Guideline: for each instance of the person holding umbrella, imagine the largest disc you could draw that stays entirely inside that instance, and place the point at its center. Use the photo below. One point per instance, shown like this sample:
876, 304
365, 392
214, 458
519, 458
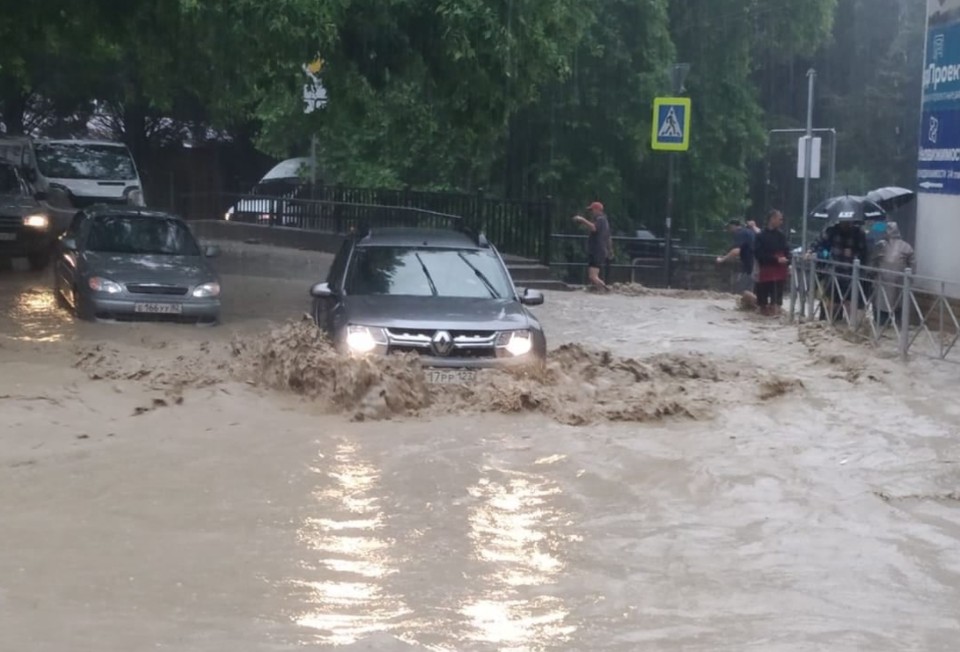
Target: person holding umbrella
844, 242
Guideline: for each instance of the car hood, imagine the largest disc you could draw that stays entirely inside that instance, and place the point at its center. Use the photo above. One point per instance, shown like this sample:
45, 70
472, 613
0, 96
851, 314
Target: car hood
18, 205
141, 268
437, 313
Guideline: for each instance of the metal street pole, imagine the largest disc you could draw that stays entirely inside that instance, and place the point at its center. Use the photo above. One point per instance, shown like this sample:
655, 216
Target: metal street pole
678, 74
808, 154
668, 246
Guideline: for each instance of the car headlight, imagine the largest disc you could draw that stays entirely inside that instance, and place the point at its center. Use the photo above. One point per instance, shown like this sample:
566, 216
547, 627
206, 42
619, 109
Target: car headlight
363, 340
207, 290
106, 286
135, 197
36, 221
516, 343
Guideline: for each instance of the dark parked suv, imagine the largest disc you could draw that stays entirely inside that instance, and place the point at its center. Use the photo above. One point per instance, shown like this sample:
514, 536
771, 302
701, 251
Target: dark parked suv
25, 229
443, 294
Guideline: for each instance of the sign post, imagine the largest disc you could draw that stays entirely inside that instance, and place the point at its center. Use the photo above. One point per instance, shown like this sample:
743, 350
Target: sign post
808, 156
671, 133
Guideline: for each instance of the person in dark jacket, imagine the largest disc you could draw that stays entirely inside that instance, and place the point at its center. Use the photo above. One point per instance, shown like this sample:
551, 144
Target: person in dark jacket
772, 252
841, 243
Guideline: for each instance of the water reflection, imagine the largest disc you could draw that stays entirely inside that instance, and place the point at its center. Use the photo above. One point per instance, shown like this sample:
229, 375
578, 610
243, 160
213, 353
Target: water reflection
517, 528
349, 559
36, 315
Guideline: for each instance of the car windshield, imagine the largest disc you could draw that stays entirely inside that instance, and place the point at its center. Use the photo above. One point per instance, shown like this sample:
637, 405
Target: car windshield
424, 272
9, 182
69, 161
121, 234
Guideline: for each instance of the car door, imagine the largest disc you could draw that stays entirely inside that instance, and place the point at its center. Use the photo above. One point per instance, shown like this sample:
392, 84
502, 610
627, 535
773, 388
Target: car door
68, 258
325, 310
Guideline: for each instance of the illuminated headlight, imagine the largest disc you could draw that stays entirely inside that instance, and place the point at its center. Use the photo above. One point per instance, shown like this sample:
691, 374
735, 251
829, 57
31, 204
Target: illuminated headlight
207, 291
135, 197
362, 340
228, 215
516, 343
98, 284
36, 221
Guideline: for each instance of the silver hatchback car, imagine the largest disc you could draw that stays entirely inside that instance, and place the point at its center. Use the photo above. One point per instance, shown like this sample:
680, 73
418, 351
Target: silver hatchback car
123, 263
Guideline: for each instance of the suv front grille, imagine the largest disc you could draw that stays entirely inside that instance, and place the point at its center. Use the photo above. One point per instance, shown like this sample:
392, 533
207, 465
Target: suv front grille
10, 222
169, 290
461, 344
456, 353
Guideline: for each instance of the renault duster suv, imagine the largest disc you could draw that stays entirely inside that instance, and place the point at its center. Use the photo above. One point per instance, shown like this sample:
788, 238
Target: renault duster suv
445, 295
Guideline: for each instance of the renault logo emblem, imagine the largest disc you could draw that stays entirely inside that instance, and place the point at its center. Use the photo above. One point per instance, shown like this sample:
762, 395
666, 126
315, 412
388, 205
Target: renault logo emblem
442, 343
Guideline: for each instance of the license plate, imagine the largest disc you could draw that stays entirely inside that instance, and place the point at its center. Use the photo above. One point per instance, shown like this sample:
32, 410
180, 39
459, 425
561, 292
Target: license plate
450, 376
158, 308
8, 237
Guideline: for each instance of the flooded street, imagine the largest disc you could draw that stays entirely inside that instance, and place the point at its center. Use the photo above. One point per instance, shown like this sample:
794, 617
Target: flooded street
790, 491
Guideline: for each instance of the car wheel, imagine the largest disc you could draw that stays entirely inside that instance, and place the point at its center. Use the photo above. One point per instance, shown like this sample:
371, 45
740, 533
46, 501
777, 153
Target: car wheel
39, 260
82, 309
61, 300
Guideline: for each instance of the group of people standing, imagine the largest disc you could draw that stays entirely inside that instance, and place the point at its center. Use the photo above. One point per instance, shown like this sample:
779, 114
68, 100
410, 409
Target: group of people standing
765, 258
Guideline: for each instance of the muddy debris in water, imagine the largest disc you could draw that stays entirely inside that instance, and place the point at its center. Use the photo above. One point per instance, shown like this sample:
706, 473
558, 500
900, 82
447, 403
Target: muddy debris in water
775, 387
945, 497
194, 366
576, 386
637, 290
297, 357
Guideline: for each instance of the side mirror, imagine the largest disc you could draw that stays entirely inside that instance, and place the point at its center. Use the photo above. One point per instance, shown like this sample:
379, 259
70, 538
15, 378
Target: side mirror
531, 297
68, 244
211, 251
321, 291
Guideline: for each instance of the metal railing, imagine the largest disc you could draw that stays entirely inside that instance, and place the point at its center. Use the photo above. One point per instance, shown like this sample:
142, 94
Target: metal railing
521, 228
915, 314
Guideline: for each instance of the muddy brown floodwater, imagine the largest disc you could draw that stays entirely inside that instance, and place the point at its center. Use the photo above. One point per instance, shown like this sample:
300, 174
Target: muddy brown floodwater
681, 477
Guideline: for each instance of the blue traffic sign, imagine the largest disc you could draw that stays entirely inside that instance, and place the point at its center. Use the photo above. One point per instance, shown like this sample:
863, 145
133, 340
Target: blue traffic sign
671, 124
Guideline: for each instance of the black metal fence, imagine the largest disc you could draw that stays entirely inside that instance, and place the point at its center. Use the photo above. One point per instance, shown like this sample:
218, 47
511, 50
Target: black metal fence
642, 260
517, 227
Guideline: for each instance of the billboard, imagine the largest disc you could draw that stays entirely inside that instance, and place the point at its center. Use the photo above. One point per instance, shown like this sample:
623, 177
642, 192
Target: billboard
938, 169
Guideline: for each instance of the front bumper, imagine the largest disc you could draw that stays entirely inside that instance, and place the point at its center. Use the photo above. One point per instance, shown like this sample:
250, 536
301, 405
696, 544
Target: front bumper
527, 361
125, 307
25, 241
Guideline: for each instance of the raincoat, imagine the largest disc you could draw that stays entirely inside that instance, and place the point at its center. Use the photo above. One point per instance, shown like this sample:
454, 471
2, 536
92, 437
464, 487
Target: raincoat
892, 257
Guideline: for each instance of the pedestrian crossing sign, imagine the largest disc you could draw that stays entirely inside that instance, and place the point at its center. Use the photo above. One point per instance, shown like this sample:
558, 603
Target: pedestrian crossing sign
671, 124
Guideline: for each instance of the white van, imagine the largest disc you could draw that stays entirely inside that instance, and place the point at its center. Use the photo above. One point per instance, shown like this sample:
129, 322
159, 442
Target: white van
265, 202
70, 175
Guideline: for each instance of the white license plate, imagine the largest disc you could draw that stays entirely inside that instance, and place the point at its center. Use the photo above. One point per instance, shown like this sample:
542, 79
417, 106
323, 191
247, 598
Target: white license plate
158, 308
450, 376
8, 237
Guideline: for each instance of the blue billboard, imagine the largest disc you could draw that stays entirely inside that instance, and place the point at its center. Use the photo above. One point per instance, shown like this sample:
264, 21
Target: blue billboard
938, 168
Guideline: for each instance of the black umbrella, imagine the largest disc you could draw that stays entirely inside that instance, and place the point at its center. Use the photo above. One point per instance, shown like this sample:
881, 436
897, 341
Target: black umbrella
849, 208
891, 198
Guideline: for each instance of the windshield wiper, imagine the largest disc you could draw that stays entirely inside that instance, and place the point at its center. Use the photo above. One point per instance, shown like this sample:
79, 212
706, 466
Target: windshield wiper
480, 275
426, 272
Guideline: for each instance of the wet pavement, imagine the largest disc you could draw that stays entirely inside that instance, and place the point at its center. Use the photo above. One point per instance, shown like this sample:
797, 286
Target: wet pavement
242, 519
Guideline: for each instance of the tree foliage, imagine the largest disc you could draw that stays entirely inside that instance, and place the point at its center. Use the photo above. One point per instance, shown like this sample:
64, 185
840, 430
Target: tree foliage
518, 97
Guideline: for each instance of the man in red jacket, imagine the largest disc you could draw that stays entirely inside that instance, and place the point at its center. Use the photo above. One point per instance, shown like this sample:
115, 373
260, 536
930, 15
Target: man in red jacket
773, 259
